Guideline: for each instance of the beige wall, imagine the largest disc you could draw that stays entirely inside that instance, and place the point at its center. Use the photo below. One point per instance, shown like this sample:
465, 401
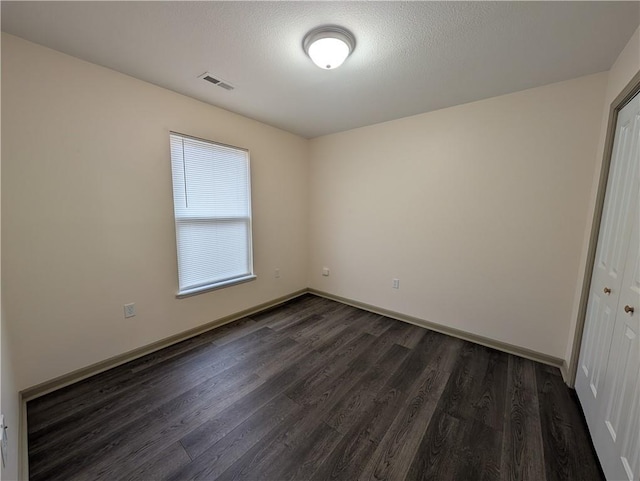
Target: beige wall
87, 211
9, 400
623, 70
477, 209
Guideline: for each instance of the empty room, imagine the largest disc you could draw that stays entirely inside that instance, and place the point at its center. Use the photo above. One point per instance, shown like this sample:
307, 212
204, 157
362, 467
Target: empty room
320, 241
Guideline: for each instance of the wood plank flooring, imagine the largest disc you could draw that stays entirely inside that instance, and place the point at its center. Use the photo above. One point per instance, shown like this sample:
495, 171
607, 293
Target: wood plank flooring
314, 390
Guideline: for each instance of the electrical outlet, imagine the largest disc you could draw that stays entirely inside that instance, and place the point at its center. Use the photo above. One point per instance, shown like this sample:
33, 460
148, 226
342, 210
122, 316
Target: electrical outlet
276, 273
395, 283
129, 310
325, 271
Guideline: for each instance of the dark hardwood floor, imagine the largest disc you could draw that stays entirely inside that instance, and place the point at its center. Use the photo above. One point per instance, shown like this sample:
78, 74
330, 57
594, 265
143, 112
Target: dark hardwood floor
314, 390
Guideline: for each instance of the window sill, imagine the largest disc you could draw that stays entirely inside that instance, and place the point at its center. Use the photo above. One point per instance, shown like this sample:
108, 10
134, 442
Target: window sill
216, 286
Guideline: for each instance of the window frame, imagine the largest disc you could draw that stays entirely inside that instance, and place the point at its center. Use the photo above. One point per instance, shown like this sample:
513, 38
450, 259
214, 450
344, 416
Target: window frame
190, 220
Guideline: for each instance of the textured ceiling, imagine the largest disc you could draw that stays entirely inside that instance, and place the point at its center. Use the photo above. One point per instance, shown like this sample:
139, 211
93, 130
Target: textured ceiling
410, 57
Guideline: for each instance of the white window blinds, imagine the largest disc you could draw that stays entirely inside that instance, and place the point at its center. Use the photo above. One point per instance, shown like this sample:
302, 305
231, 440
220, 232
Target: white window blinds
212, 206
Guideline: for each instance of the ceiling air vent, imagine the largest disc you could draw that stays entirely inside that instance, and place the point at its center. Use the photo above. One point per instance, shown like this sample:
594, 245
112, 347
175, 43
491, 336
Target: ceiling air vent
216, 81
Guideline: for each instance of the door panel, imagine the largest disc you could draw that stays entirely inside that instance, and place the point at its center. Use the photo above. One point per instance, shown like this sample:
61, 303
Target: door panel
630, 454
599, 322
611, 246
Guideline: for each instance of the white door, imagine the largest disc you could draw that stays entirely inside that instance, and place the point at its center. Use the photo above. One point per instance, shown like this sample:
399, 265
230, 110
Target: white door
606, 280
616, 438
607, 379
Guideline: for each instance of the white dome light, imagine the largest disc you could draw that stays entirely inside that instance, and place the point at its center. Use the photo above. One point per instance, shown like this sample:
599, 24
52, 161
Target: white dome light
328, 46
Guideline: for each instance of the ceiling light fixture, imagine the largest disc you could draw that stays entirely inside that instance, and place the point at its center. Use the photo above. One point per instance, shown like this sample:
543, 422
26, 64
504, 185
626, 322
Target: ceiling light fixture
329, 46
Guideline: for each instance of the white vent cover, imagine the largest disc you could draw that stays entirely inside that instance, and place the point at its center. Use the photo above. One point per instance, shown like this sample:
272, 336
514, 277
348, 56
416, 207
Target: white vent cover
216, 81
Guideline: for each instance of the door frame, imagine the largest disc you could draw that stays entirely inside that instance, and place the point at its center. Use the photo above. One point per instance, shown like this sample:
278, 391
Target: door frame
630, 90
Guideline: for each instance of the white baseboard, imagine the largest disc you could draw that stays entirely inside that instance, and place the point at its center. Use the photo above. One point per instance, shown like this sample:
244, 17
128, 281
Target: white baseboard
78, 375
564, 370
450, 331
83, 373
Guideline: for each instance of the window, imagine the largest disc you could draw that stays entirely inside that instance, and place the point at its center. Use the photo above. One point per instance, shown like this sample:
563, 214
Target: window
212, 207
